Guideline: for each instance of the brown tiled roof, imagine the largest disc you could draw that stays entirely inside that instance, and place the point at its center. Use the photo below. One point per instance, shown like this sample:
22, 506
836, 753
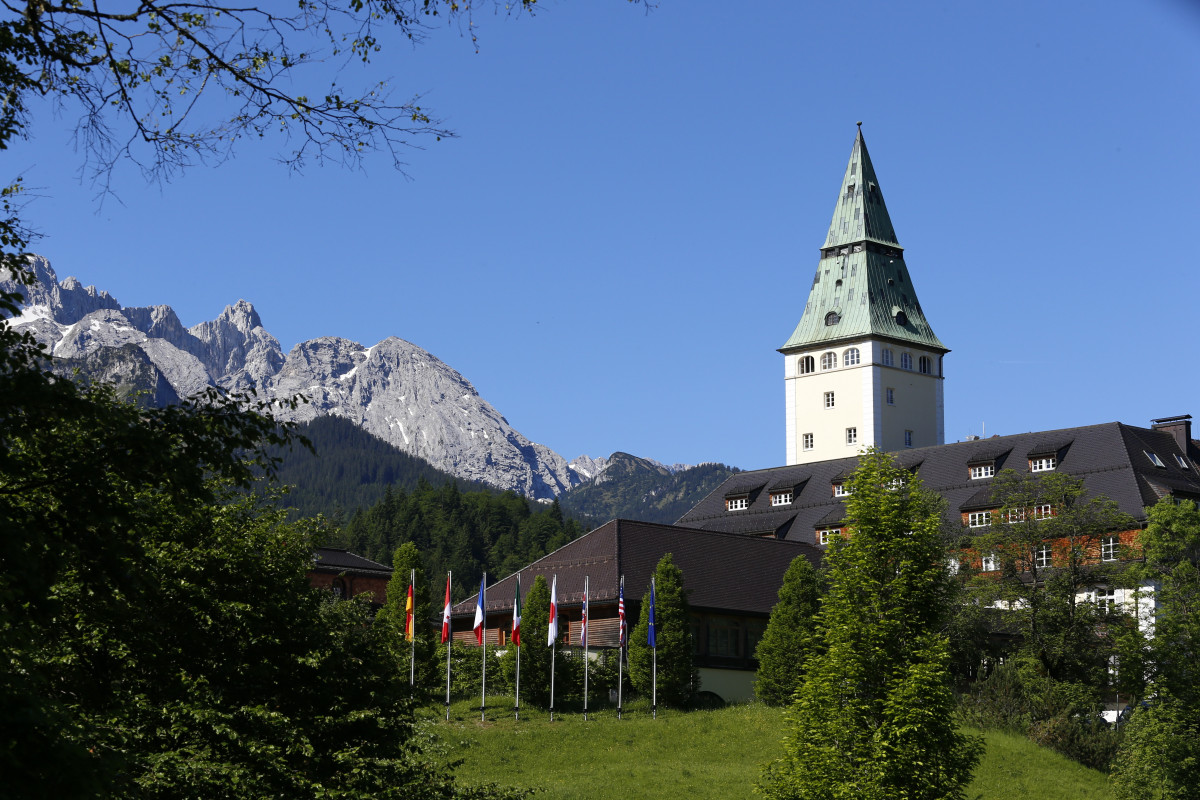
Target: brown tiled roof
721, 571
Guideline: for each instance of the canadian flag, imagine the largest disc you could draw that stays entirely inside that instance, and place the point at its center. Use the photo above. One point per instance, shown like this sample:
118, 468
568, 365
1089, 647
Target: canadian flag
553, 612
446, 613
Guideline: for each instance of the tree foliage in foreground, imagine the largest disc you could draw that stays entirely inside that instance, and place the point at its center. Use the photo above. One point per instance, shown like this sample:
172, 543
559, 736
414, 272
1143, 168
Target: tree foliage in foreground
677, 678
159, 635
873, 718
1159, 756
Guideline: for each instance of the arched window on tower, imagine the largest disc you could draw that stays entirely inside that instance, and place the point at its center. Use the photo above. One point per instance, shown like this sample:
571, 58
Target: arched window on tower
850, 357
832, 318
829, 361
926, 365
805, 365
905, 361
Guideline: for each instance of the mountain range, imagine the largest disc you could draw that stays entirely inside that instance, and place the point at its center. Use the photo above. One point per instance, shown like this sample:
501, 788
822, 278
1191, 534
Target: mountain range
393, 389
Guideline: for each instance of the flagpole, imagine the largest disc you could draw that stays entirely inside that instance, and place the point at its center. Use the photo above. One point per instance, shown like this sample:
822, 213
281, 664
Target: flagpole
449, 642
483, 647
585, 643
553, 639
654, 658
620, 645
412, 654
517, 644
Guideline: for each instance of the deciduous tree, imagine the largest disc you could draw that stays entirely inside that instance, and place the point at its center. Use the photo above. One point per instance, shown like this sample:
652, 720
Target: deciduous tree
873, 716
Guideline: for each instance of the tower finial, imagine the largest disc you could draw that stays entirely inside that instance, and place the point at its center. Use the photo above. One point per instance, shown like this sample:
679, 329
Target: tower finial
860, 124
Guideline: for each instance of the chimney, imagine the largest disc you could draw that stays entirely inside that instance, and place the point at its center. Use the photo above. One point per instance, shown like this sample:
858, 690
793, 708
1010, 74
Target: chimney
1180, 427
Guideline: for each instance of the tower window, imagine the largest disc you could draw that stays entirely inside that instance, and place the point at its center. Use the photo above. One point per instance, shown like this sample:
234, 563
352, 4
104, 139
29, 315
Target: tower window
829, 361
926, 365
905, 361
806, 441
829, 399
832, 318
887, 357
850, 357
901, 318
908, 438
891, 396
805, 365
851, 435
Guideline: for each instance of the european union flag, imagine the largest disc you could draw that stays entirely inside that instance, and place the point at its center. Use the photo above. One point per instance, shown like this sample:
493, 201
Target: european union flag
650, 640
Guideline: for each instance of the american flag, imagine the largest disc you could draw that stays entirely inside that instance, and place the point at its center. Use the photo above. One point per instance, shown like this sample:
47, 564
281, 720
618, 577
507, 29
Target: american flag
621, 610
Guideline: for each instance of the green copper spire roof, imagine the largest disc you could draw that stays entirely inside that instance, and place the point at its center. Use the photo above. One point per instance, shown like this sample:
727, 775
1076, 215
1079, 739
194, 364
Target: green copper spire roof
862, 286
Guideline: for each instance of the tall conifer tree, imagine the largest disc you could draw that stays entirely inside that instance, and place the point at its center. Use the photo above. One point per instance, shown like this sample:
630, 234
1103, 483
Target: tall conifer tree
784, 647
677, 676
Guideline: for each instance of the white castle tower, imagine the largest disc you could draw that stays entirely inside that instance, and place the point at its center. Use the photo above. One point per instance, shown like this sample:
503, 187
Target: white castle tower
863, 367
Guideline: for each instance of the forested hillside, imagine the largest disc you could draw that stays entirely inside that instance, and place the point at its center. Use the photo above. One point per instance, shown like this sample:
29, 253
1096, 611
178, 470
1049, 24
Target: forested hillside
635, 488
463, 532
350, 469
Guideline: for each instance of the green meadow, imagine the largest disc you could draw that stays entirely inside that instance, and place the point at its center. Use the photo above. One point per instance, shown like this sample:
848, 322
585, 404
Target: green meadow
692, 755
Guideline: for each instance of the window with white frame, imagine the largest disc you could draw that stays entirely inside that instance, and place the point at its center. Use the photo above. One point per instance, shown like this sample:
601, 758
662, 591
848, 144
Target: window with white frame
1183, 462
979, 519
1110, 548
806, 441
829, 402
1154, 459
781, 498
737, 503
805, 365
1041, 556
891, 396
989, 563
851, 435
905, 361
1014, 515
1106, 600
841, 490
908, 438
850, 357
829, 361
887, 357
983, 470
827, 535
926, 365
1044, 511
1043, 463
952, 566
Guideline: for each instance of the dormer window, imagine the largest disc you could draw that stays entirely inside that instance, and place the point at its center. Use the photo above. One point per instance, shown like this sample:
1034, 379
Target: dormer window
1043, 463
827, 535
832, 318
739, 503
841, 490
782, 497
983, 470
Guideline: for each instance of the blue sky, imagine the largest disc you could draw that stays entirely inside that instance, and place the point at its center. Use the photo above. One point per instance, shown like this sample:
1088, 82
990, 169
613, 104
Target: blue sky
626, 227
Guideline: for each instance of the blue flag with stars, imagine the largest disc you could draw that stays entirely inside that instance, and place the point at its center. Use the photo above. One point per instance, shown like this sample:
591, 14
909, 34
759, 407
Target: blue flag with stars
650, 639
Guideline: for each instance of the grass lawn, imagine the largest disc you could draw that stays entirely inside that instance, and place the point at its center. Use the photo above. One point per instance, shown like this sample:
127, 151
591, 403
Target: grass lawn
693, 755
